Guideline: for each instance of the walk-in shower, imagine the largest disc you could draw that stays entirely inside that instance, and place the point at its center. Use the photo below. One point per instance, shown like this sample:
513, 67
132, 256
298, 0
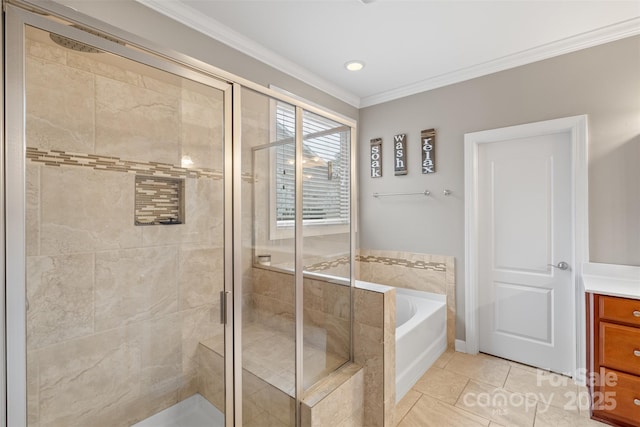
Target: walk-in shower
179, 245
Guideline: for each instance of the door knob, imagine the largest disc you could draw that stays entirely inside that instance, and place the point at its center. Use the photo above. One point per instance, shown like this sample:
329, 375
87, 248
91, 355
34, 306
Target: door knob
561, 265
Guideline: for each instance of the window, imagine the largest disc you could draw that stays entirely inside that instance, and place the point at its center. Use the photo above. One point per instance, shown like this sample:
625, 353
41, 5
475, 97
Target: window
326, 172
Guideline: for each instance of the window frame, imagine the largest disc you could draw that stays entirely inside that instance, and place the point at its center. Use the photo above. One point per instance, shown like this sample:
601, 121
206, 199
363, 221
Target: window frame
285, 229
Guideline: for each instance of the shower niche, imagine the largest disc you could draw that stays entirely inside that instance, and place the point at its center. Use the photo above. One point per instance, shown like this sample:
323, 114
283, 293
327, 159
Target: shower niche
159, 201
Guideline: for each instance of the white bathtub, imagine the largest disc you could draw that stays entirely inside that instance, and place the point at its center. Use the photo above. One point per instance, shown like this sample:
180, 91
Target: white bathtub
421, 335
421, 332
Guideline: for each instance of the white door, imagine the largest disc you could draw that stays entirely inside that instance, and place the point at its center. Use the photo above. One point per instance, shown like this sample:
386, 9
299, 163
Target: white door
525, 235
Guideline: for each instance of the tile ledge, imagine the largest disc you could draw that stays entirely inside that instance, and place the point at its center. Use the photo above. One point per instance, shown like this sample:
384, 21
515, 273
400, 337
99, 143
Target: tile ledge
325, 387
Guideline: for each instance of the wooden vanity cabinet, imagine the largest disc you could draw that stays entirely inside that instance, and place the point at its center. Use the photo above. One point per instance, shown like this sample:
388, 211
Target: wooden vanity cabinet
613, 359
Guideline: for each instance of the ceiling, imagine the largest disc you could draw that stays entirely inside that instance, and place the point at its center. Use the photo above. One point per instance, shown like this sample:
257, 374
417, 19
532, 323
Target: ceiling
408, 46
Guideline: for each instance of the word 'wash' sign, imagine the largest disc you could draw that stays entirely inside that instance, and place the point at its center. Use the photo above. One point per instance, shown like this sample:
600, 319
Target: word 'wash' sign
400, 157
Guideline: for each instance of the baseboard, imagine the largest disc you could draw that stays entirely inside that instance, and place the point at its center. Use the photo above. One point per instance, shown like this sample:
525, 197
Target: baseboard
461, 346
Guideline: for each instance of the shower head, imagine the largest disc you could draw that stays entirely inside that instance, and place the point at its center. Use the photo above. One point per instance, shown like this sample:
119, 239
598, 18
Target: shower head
78, 46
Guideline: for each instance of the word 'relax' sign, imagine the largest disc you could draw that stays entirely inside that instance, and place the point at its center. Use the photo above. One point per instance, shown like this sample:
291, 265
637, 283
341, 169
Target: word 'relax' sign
428, 138
376, 157
400, 150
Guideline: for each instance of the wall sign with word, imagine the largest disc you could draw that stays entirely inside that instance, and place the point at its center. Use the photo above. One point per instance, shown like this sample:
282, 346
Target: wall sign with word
428, 138
400, 157
376, 157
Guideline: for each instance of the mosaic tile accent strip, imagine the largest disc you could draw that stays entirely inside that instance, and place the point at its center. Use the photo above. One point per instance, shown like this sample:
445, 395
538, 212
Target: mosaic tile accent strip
115, 164
326, 265
433, 266
159, 201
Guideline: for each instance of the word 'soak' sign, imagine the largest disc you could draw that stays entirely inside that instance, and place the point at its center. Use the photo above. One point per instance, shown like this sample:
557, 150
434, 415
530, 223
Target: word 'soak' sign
428, 138
400, 157
376, 157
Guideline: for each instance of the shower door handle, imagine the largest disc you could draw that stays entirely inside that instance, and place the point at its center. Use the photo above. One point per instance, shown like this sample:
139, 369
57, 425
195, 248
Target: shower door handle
223, 306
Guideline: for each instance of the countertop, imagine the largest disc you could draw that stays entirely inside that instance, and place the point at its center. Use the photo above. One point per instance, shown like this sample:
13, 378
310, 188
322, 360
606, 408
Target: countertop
614, 280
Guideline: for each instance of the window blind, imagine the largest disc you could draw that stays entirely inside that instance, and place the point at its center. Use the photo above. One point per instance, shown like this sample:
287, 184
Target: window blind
326, 175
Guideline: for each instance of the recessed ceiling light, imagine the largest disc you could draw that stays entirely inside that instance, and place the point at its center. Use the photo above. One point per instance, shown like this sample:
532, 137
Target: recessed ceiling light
354, 65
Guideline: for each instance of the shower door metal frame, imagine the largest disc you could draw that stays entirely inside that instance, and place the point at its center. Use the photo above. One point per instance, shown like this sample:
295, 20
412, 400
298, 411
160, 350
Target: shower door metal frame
3, 347
14, 408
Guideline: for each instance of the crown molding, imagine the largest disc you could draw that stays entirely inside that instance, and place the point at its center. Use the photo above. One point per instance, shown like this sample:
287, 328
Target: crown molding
581, 41
184, 14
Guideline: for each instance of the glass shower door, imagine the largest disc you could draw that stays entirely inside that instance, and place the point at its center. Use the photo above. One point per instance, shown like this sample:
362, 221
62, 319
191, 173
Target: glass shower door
267, 261
117, 255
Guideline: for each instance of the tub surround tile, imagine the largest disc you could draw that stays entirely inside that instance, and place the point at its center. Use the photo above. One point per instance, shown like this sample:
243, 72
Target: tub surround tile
389, 357
369, 308
374, 350
341, 406
423, 272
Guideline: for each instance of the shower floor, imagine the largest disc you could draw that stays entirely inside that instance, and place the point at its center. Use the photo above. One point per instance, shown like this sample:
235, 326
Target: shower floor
195, 411
270, 355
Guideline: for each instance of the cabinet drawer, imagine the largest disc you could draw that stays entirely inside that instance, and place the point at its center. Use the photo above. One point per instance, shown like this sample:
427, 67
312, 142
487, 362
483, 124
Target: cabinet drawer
620, 310
620, 347
619, 397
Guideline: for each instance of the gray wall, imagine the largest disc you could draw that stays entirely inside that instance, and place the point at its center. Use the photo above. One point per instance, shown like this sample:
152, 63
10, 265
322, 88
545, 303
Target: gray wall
603, 82
144, 22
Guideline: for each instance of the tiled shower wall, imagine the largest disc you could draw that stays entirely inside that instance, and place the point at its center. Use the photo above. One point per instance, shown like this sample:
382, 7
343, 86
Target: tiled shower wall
116, 311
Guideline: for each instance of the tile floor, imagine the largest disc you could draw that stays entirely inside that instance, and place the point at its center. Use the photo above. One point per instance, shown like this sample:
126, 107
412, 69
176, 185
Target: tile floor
462, 390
